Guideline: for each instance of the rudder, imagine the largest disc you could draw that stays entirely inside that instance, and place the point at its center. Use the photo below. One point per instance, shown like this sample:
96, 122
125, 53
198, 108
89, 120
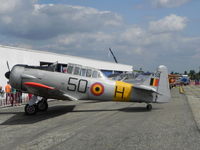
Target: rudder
163, 87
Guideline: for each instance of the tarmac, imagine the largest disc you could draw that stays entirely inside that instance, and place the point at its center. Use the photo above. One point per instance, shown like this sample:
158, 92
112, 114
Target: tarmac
193, 95
93, 125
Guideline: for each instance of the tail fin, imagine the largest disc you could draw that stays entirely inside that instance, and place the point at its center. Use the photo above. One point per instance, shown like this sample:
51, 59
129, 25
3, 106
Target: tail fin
159, 81
163, 86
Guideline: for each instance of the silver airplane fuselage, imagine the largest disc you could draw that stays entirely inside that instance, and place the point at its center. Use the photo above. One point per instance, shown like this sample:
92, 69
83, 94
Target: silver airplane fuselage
78, 83
77, 86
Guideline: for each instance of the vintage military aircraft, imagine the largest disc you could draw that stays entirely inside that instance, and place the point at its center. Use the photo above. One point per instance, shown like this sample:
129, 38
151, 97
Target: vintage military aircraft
76, 82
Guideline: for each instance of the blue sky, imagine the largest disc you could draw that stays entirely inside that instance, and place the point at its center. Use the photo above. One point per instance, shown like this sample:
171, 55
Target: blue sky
142, 33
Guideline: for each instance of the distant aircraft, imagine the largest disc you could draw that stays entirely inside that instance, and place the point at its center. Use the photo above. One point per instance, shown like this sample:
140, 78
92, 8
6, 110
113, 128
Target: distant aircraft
77, 82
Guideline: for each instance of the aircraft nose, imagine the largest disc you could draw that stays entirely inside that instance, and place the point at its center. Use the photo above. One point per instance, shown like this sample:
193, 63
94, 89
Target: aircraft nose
15, 76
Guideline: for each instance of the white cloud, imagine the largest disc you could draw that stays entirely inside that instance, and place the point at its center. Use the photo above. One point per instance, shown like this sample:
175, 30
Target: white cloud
49, 20
169, 3
87, 41
170, 23
6, 20
10, 6
89, 32
133, 33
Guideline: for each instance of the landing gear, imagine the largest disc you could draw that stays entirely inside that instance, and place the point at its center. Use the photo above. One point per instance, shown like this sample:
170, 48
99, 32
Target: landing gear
36, 104
42, 105
30, 109
149, 107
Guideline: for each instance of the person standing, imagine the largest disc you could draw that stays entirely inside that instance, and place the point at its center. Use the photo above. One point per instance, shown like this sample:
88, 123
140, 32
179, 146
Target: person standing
13, 96
8, 92
1, 91
1, 95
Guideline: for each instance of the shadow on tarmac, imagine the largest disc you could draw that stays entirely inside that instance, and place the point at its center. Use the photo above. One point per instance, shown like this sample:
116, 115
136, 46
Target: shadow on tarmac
21, 118
125, 109
54, 111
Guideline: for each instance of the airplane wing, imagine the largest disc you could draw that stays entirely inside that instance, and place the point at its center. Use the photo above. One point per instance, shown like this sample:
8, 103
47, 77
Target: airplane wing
44, 90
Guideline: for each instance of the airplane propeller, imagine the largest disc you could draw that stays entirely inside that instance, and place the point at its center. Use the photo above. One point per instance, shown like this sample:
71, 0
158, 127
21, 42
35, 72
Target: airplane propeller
7, 74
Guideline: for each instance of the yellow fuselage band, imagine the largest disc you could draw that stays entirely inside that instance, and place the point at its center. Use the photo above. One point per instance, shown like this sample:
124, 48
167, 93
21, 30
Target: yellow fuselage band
122, 91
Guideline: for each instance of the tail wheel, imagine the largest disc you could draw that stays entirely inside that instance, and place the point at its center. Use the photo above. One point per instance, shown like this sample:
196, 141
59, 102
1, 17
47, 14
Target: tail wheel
30, 109
42, 105
149, 107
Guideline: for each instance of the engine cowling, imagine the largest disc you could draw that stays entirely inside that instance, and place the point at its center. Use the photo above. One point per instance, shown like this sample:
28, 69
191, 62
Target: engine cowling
16, 76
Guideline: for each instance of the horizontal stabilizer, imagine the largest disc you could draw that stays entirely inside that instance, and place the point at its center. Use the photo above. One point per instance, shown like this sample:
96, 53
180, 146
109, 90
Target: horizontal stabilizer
147, 88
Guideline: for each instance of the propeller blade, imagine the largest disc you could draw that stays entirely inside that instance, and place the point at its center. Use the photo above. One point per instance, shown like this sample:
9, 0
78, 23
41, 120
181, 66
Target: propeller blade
7, 74
8, 66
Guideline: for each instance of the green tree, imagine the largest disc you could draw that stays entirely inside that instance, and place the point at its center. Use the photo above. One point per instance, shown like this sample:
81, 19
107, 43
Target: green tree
192, 74
185, 73
197, 75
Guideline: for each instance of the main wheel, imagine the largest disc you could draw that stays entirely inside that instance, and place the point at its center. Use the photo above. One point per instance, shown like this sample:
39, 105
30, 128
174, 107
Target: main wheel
30, 109
42, 105
149, 107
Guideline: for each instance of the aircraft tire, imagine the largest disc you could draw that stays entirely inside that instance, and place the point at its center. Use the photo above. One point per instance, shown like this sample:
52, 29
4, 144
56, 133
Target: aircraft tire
30, 109
149, 107
42, 105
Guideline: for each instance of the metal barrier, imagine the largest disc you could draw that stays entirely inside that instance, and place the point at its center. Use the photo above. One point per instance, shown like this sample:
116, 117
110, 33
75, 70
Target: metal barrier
193, 82
13, 99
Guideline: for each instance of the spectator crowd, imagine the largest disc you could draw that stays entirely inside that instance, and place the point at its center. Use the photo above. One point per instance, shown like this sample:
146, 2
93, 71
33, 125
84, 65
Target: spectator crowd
10, 96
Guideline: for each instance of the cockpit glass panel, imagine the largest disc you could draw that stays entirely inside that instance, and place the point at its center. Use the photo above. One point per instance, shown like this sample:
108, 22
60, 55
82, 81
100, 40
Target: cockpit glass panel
69, 69
99, 75
95, 74
76, 71
83, 72
89, 73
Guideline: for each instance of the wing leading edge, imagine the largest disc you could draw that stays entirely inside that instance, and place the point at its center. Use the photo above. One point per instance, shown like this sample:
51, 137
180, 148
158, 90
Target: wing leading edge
38, 85
34, 87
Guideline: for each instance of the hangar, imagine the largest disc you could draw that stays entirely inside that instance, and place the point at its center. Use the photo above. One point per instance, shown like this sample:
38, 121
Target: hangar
15, 55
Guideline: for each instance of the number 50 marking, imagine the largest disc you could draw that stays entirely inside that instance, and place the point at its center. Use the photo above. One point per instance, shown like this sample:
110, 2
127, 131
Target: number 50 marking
80, 86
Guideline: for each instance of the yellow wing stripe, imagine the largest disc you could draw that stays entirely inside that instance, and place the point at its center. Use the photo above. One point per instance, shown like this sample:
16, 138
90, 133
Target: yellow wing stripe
122, 91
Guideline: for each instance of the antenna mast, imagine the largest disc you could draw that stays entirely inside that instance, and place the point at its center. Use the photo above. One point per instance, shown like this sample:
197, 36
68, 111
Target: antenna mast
113, 55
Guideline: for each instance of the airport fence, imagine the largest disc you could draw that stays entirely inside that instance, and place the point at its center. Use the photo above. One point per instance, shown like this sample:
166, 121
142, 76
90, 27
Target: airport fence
13, 99
193, 82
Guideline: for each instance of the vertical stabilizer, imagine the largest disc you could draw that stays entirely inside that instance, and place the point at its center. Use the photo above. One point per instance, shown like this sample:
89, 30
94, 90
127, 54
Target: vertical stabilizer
163, 87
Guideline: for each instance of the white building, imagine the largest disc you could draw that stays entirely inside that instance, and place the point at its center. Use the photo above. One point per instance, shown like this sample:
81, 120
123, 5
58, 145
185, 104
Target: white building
16, 55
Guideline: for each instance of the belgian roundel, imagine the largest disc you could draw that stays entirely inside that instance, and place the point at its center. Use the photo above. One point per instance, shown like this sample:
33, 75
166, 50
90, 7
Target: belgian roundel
97, 89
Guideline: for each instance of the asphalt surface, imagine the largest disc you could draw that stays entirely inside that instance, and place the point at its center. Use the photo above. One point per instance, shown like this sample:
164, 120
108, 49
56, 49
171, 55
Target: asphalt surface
88, 125
193, 95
